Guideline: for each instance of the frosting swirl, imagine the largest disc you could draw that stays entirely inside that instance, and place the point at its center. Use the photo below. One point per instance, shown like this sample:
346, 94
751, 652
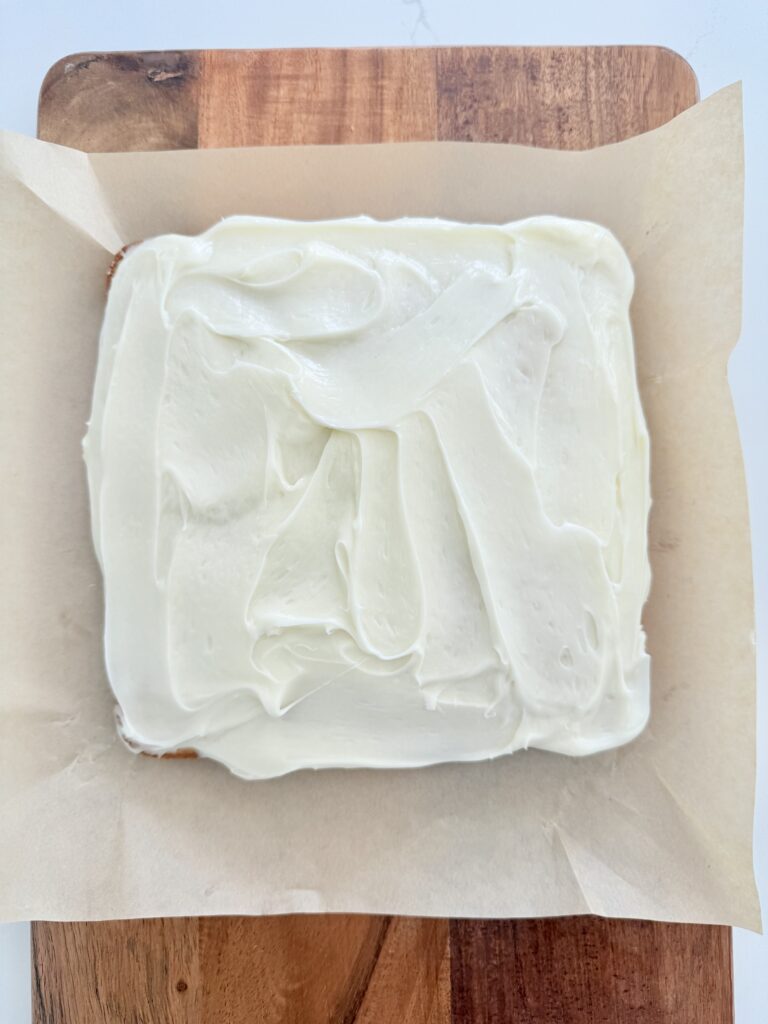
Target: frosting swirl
372, 493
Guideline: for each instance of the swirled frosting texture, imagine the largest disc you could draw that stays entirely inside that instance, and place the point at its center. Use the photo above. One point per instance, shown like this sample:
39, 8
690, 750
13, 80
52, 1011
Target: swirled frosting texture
372, 494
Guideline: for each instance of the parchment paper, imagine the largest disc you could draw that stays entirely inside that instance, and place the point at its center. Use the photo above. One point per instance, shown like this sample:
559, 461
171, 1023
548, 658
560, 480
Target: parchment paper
660, 829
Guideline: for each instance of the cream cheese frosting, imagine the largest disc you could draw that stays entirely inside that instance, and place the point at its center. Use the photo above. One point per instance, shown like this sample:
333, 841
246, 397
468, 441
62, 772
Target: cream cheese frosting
372, 494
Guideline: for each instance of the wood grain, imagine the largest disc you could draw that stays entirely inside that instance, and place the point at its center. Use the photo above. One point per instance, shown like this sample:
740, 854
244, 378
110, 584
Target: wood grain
127, 971
277, 97
348, 969
232, 970
574, 970
121, 101
565, 97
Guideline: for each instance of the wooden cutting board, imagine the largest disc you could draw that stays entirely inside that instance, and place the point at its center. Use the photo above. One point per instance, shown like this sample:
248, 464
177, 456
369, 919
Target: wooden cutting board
347, 969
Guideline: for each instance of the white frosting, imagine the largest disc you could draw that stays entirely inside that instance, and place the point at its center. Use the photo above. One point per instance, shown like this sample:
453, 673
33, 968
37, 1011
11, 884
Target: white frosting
372, 494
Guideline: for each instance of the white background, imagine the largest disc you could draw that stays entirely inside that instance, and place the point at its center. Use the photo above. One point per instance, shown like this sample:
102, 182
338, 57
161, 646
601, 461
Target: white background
724, 41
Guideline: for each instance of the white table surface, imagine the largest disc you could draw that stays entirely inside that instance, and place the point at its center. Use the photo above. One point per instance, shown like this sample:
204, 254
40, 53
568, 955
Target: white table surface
724, 41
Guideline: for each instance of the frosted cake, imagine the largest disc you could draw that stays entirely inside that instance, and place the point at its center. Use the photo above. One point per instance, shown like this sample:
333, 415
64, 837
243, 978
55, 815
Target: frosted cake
372, 494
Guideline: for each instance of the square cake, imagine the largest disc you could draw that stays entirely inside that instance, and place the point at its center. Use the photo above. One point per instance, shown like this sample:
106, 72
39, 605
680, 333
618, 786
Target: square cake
372, 494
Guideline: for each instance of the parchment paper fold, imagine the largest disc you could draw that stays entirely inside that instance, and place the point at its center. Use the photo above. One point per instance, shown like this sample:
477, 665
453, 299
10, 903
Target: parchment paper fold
659, 829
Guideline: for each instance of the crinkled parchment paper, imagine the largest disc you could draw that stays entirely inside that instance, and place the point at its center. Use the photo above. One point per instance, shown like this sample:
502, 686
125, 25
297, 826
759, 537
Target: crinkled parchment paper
659, 829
